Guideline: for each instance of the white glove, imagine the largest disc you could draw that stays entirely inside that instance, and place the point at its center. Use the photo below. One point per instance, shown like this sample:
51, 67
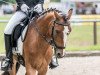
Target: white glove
38, 8
24, 8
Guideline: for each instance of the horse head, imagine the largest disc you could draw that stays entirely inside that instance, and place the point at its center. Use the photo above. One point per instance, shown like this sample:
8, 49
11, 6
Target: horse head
53, 23
62, 29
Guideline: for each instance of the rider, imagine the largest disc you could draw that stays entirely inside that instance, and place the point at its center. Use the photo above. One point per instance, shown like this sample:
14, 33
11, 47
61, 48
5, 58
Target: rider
22, 6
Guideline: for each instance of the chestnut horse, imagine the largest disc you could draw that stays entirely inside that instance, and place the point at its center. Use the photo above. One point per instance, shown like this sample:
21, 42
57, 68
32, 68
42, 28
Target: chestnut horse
43, 33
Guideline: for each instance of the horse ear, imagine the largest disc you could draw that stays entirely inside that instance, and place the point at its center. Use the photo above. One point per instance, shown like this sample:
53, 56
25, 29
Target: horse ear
57, 16
69, 13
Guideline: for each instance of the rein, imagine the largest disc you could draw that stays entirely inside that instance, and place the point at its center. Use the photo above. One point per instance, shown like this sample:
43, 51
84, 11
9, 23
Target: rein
52, 41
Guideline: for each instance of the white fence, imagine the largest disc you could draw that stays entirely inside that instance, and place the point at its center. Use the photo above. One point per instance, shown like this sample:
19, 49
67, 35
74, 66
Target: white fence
72, 21
3, 21
79, 21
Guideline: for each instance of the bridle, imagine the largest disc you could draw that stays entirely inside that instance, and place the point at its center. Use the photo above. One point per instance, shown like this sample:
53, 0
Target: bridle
52, 34
52, 40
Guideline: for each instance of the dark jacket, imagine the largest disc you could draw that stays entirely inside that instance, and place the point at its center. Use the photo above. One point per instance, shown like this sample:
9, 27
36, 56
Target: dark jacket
30, 3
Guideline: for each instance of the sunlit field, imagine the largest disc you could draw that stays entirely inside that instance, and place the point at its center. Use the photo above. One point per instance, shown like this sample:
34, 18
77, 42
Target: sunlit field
2, 26
81, 37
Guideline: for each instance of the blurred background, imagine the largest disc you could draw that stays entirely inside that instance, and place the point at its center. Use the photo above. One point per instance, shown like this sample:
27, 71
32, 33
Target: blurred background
85, 22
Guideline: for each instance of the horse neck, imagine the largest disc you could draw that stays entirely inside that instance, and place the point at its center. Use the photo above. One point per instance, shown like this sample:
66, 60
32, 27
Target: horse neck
44, 22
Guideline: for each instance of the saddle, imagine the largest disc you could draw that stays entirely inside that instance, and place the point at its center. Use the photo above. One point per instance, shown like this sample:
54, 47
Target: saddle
17, 32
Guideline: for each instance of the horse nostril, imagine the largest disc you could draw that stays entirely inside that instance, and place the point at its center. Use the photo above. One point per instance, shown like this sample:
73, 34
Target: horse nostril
58, 55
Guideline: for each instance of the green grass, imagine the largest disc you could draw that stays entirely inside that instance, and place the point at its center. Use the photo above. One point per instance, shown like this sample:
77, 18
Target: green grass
81, 37
5, 17
2, 26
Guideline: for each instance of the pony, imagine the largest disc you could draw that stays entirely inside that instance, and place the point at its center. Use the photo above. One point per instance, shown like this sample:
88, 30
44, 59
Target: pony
43, 33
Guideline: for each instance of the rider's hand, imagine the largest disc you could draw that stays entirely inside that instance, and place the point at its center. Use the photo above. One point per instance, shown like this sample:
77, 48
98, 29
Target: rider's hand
38, 8
24, 8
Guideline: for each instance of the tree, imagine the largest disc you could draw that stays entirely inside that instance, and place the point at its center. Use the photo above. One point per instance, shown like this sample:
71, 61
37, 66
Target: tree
6, 1
11, 1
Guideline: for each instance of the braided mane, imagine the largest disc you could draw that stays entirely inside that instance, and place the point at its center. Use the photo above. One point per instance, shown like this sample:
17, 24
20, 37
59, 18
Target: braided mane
49, 10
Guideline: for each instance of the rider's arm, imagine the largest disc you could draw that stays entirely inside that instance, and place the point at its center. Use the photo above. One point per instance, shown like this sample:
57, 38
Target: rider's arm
20, 2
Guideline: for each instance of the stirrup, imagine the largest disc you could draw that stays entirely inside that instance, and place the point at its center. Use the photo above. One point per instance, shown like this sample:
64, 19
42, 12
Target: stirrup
53, 65
6, 64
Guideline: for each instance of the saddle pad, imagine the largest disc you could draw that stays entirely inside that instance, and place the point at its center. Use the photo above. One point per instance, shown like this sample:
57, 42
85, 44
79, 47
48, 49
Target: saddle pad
19, 48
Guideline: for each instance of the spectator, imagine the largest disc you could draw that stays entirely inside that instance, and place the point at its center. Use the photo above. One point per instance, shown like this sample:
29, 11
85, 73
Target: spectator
93, 11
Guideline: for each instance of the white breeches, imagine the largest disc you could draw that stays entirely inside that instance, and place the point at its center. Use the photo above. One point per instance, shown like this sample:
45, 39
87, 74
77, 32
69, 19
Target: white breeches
14, 21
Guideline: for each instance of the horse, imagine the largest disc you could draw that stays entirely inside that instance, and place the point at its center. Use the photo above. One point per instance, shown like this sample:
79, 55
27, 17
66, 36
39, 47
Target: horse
43, 33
